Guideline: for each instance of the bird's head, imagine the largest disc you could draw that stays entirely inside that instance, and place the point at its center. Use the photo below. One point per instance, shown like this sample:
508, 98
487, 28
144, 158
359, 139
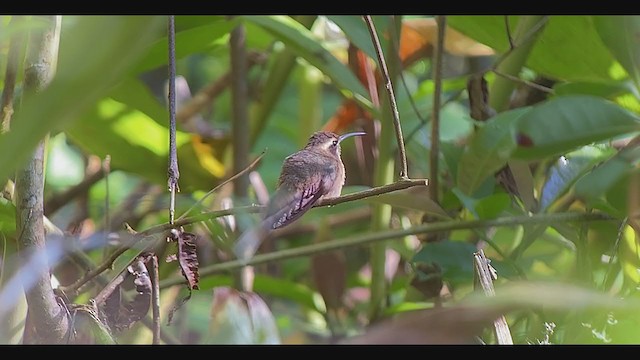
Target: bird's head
328, 141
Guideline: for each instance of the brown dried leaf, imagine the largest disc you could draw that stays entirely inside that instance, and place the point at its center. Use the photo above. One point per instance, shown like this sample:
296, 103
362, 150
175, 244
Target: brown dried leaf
188, 258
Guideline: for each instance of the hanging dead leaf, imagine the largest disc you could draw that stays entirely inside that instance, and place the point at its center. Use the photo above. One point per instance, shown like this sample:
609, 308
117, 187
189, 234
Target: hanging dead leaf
187, 256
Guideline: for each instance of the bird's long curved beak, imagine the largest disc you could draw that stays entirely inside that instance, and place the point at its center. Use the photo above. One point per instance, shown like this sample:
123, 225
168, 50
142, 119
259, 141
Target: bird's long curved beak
347, 135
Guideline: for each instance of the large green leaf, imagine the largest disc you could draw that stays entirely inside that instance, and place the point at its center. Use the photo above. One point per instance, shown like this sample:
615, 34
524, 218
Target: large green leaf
620, 35
302, 41
95, 53
569, 47
488, 150
140, 145
564, 123
356, 30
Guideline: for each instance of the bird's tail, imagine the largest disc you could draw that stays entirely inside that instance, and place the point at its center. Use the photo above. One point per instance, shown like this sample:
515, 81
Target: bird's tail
248, 243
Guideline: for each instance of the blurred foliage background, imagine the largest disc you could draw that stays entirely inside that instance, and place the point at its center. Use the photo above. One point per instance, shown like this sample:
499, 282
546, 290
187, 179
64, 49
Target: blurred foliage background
560, 136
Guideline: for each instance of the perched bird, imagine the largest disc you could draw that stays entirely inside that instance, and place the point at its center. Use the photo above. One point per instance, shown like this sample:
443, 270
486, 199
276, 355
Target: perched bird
307, 176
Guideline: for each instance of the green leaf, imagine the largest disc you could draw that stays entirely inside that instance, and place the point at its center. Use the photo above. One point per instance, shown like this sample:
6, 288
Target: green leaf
566, 171
455, 259
488, 150
137, 95
621, 35
188, 41
356, 30
564, 123
608, 90
569, 47
95, 53
492, 206
302, 41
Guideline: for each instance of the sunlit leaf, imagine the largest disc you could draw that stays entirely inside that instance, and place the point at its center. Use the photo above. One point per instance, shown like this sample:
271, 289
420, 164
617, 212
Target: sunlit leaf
620, 35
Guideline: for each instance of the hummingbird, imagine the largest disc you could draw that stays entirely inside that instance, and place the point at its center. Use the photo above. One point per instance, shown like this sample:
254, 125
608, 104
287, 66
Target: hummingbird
307, 176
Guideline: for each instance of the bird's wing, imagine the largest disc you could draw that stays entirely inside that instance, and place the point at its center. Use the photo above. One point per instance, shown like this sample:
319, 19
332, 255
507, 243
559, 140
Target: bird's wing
288, 204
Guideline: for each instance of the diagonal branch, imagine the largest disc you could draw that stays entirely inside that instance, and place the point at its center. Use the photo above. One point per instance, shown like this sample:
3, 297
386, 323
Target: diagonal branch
370, 238
392, 97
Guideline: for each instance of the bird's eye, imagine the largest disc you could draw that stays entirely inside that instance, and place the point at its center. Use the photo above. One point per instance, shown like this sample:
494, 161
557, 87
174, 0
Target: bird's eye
335, 143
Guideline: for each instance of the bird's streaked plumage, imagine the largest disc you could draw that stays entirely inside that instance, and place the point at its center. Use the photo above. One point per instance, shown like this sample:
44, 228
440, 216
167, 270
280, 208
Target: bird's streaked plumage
307, 176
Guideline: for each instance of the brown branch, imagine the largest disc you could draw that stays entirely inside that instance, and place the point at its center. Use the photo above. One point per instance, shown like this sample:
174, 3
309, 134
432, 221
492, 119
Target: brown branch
525, 82
172, 169
392, 98
155, 299
398, 185
434, 152
49, 319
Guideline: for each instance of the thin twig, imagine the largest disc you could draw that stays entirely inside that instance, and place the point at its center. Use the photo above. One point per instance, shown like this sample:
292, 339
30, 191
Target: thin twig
106, 168
239, 99
14, 57
434, 153
526, 38
366, 239
525, 82
508, 28
422, 123
242, 172
155, 299
392, 98
173, 172
398, 185
484, 277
